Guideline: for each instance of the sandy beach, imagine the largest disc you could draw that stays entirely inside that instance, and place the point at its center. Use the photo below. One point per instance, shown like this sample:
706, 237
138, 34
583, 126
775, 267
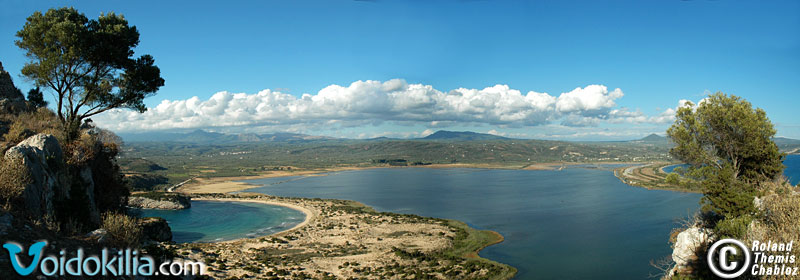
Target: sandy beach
231, 184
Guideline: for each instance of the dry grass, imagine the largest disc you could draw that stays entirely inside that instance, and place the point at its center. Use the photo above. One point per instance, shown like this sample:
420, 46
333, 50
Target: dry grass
123, 230
13, 180
27, 124
82, 150
779, 219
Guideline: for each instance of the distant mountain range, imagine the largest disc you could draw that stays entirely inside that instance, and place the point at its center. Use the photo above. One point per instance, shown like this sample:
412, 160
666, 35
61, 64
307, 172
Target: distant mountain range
202, 136
205, 137
462, 136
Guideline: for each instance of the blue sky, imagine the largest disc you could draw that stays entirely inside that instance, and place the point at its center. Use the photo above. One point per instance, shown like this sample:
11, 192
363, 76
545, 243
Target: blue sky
655, 52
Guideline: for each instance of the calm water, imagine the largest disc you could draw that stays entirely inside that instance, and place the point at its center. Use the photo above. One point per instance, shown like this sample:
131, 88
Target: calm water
209, 221
670, 168
792, 170
570, 224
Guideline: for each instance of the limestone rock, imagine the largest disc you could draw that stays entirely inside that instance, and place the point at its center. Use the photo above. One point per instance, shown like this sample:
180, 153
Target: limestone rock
101, 235
688, 245
758, 203
42, 156
156, 229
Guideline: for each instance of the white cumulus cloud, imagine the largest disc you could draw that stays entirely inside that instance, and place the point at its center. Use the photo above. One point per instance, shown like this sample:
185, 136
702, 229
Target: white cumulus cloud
369, 102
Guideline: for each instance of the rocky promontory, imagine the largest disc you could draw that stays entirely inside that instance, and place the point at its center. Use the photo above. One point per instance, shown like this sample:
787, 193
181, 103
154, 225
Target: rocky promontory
159, 200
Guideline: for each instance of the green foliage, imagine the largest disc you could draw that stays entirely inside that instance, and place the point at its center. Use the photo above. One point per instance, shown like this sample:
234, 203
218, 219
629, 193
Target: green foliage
140, 165
87, 63
187, 160
729, 146
733, 227
36, 98
726, 195
673, 178
146, 182
727, 130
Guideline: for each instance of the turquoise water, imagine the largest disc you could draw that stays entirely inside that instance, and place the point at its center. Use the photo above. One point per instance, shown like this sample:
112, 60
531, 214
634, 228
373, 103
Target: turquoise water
208, 221
792, 170
571, 224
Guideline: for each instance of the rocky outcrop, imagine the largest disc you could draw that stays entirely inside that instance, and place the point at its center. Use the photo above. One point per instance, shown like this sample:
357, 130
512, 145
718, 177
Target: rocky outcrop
11, 99
42, 156
688, 248
85, 180
156, 229
163, 201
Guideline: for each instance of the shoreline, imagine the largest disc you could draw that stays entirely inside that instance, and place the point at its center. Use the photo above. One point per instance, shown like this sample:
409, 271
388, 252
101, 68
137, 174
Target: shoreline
233, 184
638, 176
227, 185
345, 239
309, 215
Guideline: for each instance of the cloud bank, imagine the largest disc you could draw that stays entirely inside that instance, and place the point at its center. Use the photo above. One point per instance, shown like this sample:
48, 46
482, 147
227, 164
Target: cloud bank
365, 103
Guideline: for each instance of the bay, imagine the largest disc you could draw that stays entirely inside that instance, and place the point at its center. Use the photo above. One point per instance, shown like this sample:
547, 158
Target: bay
572, 224
208, 221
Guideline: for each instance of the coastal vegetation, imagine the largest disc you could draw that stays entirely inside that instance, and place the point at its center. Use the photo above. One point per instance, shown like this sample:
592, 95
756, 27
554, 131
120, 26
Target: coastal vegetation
67, 181
182, 161
653, 176
735, 162
200, 154
59, 179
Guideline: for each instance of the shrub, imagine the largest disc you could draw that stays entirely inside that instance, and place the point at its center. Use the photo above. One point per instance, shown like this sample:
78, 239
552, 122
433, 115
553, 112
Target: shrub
81, 151
779, 218
27, 124
733, 227
673, 179
124, 231
98, 151
13, 179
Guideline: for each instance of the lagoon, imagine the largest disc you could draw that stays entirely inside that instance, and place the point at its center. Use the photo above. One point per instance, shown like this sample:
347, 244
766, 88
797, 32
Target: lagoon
577, 223
792, 171
208, 221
